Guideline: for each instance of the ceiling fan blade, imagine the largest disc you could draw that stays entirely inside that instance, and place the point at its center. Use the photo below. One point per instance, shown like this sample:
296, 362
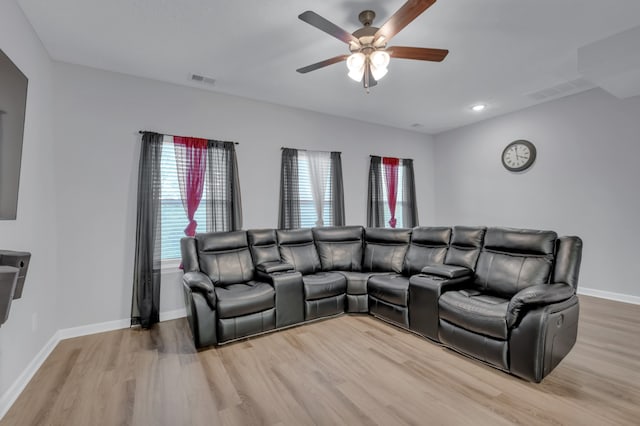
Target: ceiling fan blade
322, 64
328, 27
403, 16
419, 53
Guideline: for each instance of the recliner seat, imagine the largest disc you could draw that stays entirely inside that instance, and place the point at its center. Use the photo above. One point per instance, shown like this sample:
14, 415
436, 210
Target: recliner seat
514, 268
220, 277
427, 246
324, 292
341, 250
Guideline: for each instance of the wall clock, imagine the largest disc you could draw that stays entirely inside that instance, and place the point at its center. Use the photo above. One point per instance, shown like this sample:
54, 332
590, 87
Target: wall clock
518, 156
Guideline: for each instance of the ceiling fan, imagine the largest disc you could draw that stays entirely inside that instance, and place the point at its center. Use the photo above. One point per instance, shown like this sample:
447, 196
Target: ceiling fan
370, 55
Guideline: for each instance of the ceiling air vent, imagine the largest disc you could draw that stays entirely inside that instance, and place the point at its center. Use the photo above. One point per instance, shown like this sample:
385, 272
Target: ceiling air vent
202, 79
560, 90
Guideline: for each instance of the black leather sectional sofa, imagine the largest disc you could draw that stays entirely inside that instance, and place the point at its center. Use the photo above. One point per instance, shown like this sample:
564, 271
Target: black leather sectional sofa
503, 296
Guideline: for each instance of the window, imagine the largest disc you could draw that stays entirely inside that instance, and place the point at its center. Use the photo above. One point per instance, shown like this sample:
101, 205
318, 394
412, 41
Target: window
389, 177
219, 208
311, 191
400, 202
308, 213
173, 216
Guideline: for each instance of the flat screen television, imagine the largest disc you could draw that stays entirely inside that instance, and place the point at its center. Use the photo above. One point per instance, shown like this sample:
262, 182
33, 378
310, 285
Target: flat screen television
13, 102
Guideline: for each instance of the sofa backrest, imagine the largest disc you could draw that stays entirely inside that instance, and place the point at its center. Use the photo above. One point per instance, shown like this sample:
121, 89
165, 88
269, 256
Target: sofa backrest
263, 244
465, 245
225, 257
428, 247
513, 259
298, 249
339, 248
384, 249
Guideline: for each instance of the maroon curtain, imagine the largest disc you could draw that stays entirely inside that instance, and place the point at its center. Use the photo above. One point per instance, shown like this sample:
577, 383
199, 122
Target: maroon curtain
191, 162
390, 166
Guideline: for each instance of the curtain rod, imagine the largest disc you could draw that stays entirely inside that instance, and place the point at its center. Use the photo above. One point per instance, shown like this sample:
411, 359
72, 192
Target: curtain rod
167, 134
382, 156
284, 147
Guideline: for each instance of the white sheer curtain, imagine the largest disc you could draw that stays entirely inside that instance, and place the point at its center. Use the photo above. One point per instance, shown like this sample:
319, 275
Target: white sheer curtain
319, 170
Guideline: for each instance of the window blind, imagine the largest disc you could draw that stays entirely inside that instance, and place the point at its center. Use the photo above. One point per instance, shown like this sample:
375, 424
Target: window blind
308, 215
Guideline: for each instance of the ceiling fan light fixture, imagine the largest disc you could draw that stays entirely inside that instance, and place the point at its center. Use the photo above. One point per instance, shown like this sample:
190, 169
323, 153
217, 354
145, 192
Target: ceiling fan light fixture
379, 58
355, 64
356, 75
378, 72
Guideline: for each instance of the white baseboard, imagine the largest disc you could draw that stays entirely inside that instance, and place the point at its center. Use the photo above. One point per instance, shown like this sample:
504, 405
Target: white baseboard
618, 297
85, 330
171, 315
14, 391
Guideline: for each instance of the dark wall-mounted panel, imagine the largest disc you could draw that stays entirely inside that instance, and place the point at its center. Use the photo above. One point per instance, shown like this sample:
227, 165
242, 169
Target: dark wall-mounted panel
13, 102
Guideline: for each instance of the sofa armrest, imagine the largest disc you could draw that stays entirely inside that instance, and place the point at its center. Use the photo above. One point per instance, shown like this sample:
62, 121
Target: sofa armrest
424, 292
199, 282
289, 295
537, 295
275, 266
447, 271
542, 338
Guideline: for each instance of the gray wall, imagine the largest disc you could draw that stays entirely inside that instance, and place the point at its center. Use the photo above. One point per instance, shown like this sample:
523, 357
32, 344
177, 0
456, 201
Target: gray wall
34, 318
584, 182
97, 118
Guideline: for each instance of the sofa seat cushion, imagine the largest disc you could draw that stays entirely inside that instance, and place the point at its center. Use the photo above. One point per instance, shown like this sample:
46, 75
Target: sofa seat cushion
390, 288
475, 311
242, 299
357, 281
323, 284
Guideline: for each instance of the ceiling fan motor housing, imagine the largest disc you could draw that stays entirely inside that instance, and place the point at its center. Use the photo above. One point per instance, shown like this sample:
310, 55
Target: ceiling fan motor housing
366, 37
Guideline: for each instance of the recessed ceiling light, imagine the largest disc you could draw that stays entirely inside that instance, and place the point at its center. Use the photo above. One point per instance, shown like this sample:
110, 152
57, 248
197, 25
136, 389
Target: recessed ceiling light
478, 107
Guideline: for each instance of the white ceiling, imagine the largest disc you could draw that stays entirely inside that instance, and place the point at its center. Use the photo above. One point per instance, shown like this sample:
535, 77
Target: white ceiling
501, 51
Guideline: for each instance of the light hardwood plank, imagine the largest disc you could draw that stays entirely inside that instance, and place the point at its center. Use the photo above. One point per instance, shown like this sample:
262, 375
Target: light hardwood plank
351, 370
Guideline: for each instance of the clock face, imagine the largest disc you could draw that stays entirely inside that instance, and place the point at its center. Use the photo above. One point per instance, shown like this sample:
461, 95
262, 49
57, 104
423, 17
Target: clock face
518, 155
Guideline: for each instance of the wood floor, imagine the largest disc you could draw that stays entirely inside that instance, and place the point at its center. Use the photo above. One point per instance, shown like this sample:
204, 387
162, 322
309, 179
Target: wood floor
348, 370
